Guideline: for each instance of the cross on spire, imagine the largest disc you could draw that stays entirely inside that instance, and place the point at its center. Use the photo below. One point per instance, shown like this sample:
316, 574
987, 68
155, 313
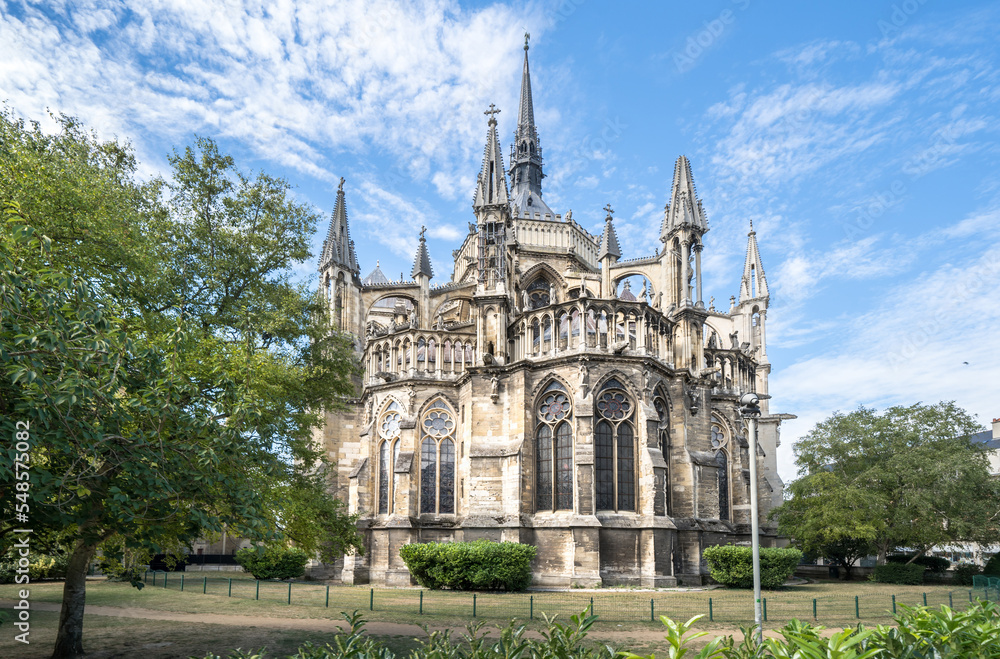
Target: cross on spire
610, 211
492, 111
527, 36
340, 188
423, 230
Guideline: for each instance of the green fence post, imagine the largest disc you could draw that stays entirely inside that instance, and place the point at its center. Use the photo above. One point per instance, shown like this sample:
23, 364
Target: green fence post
182, 582
814, 609
893, 605
591, 606
204, 585
421, 602
764, 604
154, 580
925, 599
710, 616
531, 607
473, 605
951, 604
230, 587
257, 596
289, 592
371, 600
328, 597
164, 579
652, 610
857, 608
986, 591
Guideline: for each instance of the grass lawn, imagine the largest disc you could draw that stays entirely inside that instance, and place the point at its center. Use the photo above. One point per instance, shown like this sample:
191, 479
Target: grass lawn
624, 614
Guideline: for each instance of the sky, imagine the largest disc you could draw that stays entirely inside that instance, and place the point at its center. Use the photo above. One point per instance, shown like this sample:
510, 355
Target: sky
859, 136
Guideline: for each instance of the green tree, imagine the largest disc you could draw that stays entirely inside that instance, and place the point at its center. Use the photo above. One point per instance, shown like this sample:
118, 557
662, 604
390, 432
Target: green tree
908, 477
169, 370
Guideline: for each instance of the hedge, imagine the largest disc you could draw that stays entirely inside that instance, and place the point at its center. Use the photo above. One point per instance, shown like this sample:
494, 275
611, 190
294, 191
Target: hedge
964, 573
273, 562
732, 565
899, 573
992, 567
932, 563
479, 565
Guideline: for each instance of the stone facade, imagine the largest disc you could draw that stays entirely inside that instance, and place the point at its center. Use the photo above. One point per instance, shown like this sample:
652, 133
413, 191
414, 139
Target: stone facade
537, 397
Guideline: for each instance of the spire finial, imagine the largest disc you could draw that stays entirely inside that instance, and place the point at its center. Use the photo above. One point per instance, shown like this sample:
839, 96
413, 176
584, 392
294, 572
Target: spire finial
340, 187
423, 230
491, 112
527, 35
610, 211
751, 225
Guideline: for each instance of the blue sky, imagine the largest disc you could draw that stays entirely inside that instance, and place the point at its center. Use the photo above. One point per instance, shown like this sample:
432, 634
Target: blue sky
860, 137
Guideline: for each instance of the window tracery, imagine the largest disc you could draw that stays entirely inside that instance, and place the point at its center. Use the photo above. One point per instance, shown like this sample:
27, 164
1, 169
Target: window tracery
614, 449
388, 453
720, 439
554, 450
437, 459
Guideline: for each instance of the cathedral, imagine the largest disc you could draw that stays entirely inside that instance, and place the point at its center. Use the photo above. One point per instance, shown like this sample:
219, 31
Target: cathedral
552, 392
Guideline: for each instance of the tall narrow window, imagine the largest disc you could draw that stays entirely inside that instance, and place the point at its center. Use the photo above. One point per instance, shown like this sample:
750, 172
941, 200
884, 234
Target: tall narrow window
554, 450
663, 441
388, 431
719, 440
614, 449
437, 459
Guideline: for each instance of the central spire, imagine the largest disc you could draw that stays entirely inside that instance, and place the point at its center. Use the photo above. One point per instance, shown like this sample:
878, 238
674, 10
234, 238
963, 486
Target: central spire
526, 155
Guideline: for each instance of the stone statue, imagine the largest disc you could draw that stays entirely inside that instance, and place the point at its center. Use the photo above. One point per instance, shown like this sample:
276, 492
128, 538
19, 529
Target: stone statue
495, 388
584, 381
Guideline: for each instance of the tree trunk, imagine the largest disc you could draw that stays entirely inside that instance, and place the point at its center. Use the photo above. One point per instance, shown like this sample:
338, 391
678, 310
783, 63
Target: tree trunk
847, 569
69, 639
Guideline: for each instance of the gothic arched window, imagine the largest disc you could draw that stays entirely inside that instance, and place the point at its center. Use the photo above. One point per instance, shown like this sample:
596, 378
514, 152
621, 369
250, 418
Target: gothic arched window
539, 294
554, 450
614, 449
719, 440
437, 459
663, 442
388, 452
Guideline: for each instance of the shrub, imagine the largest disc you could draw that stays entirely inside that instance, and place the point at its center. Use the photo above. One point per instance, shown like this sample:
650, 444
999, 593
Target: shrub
900, 573
479, 565
932, 563
733, 566
992, 567
273, 562
964, 573
42, 566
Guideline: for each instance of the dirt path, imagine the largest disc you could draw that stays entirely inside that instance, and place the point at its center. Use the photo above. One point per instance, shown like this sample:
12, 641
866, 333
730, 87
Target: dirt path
374, 628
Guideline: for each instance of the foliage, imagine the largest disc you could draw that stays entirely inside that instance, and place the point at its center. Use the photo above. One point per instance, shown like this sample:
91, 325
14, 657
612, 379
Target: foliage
908, 477
931, 563
992, 567
273, 561
901, 573
733, 566
150, 333
42, 566
916, 633
964, 572
479, 565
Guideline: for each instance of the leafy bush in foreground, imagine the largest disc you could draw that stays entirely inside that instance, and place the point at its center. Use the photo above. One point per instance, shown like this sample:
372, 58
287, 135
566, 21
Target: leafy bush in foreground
912, 574
479, 565
917, 633
732, 565
273, 562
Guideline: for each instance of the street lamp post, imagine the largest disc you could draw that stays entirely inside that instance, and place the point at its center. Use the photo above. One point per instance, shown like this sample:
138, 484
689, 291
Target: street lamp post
750, 410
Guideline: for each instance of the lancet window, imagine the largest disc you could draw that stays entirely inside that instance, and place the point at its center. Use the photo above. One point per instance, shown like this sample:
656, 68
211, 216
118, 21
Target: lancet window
554, 449
614, 449
388, 453
720, 439
437, 459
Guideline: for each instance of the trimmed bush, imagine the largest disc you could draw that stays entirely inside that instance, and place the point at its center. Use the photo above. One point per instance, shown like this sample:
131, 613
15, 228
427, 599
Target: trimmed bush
932, 563
992, 567
273, 562
479, 565
732, 565
900, 573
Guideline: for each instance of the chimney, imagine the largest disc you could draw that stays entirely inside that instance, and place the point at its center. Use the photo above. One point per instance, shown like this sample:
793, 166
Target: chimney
996, 428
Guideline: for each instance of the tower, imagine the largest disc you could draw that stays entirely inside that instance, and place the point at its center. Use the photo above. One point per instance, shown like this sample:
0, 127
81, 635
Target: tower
422, 273
752, 311
340, 282
526, 155
493, 222
610, 251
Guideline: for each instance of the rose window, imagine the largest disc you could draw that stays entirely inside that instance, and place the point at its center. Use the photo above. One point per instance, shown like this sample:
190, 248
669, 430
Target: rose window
438, 424
555, 407
389, 427
718, 437
614, 405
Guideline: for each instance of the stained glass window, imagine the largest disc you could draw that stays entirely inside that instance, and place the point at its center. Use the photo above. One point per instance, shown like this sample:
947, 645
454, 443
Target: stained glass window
383, 479
544, 460
614, 450
718, 436
437, 460
554, 450
723, 463
564, 467
554, 407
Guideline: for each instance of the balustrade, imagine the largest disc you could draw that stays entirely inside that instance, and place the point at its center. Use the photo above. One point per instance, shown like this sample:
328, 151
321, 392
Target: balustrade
414, 353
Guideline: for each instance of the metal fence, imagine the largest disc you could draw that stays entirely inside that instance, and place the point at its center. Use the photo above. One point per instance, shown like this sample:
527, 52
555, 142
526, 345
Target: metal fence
983, 581
621, 606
